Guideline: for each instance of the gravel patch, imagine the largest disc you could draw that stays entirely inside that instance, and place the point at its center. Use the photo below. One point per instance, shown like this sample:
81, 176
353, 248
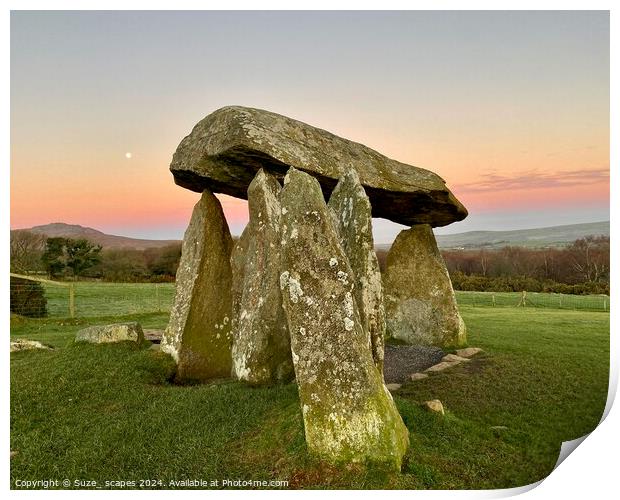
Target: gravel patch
402, 360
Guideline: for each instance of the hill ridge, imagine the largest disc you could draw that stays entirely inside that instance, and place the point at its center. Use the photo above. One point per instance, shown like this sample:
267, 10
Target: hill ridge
64, 230
536, 237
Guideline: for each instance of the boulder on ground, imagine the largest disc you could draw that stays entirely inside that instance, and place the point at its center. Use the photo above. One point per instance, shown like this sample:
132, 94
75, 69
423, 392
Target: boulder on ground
348, 413
352, 213
420, 304
226, 149
117, 332
261, 350
198, 333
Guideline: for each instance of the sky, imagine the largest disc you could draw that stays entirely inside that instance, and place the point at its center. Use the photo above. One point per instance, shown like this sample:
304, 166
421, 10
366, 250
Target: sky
510, 108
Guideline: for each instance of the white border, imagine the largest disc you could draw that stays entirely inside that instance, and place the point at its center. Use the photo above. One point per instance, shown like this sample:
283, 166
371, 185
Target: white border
591, 470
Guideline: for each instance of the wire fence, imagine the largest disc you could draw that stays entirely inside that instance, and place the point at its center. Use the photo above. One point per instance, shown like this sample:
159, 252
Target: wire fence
534, 299
34, 297
37, 297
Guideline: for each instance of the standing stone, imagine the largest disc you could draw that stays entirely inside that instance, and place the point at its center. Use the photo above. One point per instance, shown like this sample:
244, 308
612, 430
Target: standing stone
420, 305
237, 264
198, 333
348, 413
352, 212
261, 346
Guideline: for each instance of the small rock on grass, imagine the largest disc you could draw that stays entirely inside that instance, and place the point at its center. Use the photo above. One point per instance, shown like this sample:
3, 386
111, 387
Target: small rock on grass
468, 352
439, 367
434, 405
23, 344
453, 358
393, 387
417, 376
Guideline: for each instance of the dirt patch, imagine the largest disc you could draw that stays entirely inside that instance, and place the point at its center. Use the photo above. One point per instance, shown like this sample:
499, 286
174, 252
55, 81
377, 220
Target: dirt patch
403, 360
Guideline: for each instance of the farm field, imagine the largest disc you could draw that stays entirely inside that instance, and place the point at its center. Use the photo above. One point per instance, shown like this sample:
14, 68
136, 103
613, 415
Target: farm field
110, 412
94, 299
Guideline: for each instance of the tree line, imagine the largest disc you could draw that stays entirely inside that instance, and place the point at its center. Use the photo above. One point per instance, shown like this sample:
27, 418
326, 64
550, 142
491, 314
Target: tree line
66, 258
581, 267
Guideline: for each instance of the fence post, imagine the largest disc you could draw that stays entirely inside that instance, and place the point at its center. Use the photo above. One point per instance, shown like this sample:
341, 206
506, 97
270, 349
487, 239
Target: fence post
72, 300
493, 297
157, 297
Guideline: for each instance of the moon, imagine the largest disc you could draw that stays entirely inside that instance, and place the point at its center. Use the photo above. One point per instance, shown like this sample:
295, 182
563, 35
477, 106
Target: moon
128, 155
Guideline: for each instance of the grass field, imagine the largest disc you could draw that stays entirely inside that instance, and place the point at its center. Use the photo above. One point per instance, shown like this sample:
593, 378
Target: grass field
94, 299
109, 412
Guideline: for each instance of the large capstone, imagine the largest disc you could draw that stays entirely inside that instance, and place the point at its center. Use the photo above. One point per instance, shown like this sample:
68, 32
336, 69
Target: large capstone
348, 414
261, 346
420, 305
198, 333
226, 149
351, 210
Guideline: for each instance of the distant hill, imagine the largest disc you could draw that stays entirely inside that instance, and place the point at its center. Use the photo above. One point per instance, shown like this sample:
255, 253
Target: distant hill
541, 237
555, 236
74, 231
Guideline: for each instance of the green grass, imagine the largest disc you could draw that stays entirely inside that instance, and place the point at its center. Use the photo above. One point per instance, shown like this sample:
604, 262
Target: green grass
109, 412
94, 299
106, 299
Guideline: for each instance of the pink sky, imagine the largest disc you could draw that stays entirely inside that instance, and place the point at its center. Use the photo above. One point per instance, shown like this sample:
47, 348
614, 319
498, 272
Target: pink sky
515, 124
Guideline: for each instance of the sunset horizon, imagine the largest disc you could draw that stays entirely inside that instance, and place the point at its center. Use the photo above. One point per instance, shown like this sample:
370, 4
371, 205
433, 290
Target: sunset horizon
518, 127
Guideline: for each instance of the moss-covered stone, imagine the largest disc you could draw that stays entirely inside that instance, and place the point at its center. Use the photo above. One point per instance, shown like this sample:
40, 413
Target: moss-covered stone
349, 415
419, 299
353, 216
198, 333
261, 346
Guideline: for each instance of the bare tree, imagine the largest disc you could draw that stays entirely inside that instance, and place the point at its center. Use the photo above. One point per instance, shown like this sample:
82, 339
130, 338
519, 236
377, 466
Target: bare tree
590, 257
26, 249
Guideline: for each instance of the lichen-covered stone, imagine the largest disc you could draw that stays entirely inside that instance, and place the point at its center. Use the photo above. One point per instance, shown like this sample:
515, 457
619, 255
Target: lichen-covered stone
116, 332
198, 333
225, 150
261, 350
352, 213
348, 413
420, 305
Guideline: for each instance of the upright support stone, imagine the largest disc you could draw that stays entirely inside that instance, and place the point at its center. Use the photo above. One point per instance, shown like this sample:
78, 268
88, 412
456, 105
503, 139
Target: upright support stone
419, 299
352, 212
349, 415
261, 346
198, 333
